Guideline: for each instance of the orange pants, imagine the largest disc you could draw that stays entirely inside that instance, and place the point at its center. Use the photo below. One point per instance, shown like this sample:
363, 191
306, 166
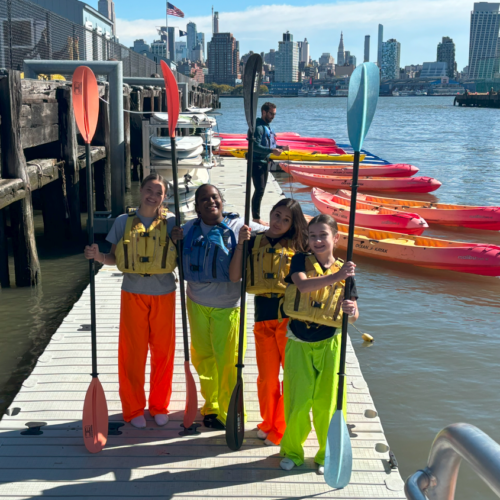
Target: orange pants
270, 342
146, 321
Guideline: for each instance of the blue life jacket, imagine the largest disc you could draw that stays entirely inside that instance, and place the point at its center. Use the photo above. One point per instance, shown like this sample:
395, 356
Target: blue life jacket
206, 259
269, 138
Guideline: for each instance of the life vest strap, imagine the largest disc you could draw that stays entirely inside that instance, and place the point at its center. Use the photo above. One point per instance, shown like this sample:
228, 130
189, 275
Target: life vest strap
318, 305
143, 259
145, 234
270, 276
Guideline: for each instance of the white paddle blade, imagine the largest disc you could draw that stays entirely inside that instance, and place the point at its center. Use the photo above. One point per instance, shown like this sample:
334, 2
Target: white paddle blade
338, 456
364, 88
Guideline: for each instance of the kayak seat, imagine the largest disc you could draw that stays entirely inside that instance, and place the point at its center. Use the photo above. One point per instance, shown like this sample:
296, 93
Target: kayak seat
398, 241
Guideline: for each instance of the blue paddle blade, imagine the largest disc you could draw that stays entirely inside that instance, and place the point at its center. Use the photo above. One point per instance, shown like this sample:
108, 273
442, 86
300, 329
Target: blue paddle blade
362, 101
338, 456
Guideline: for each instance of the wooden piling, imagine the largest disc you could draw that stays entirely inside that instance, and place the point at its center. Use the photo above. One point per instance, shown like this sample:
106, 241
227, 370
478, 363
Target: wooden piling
69, 153
102, 168
126, 132
26, 263
4, 253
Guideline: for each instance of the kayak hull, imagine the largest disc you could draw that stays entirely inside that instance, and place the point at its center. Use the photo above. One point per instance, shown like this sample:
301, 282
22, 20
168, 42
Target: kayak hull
367, 216
294, 155
471, 258
486, 218
396, 170
387, 184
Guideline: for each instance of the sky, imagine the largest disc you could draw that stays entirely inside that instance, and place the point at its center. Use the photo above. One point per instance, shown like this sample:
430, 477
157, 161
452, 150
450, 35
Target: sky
418, 25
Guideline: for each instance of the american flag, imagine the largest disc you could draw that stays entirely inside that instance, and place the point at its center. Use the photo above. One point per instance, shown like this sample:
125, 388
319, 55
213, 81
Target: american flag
172, 10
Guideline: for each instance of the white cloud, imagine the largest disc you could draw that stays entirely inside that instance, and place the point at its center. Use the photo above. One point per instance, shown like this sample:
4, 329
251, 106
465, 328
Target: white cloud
418, 25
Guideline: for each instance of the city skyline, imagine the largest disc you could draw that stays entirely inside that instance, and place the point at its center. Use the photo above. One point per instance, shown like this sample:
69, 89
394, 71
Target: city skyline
418, 27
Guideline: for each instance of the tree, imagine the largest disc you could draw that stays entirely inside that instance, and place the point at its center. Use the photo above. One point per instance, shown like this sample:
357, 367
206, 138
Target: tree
264, 89
238, 90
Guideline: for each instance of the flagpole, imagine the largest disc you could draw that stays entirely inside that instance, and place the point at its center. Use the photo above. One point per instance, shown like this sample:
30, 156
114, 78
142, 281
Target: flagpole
166, 22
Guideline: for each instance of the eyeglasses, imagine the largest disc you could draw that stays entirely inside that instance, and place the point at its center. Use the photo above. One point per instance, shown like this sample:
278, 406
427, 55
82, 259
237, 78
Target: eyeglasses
271, 113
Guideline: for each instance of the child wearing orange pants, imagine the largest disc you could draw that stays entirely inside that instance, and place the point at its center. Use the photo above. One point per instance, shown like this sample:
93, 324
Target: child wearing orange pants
143, 250
270, 254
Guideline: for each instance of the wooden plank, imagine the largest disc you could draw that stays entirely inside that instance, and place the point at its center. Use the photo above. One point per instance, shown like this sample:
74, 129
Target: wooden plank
4, 252
26, 264
11, 190
31, 137
39, 114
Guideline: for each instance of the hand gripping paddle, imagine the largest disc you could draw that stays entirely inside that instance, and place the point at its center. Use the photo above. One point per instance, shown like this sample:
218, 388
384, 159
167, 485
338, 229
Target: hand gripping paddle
173, 115
86, 108
235, 423
361, 104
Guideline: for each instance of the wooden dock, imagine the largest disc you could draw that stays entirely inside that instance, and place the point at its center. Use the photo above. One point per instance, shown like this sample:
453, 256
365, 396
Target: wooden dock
41, 445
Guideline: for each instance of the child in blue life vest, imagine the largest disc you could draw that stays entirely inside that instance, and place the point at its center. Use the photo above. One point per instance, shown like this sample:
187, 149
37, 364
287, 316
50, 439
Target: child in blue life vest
213, 300
314, 302
269, 257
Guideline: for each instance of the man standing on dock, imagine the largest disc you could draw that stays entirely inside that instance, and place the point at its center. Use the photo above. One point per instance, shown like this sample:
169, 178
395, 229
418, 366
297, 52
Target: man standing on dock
264, 146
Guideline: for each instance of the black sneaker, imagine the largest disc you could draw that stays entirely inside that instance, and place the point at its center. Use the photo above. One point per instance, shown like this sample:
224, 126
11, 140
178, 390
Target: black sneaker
212, 422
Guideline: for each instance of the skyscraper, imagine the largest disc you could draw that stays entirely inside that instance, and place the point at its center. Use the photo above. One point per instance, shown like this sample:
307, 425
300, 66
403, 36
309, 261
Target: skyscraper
223, 59
380, 42
446, 53
200, 38
340, 53
171, 42
216, 22
367, 49
391, 57
287, 60
107, 9
303, 51
483, 45
191, 38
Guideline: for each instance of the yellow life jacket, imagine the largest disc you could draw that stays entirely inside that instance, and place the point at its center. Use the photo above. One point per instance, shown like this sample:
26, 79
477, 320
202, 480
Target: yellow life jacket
146, 251
322, 306
268, 266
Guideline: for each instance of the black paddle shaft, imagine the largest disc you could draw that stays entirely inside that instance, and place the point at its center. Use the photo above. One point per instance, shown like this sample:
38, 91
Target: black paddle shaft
179, 248
349, 282
90, 232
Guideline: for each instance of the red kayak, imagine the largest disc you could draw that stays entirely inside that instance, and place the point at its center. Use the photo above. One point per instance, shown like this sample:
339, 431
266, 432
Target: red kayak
324, 141
305, 148
396, 170
367, 215
487, 218
398, 184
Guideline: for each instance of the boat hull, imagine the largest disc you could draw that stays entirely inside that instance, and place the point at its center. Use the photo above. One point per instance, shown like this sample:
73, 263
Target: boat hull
293, 155
397, 170
387, 184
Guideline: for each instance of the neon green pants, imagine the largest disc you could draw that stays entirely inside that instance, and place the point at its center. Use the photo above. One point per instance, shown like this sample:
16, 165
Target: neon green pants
310, 382
214, 352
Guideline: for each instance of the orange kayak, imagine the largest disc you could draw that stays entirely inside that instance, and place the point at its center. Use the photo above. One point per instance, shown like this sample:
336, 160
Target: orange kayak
396, 170
399, 184
438, 213
367, 215
472, 258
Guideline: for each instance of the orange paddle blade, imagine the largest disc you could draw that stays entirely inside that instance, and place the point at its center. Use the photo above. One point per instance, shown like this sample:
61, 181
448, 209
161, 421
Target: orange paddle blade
191, 398
95, 417
85, 102
172, 98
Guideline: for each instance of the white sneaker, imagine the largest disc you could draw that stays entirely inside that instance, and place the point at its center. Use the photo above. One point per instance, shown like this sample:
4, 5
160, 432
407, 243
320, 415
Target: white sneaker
321, 470
261, 434
287, 464
267, 442
139, 422
161, 419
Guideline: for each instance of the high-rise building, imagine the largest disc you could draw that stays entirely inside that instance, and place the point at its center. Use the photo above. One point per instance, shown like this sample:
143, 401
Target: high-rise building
140, 46
191, 38
287, 60
434, 69
351, 61
159, 48
366, 57
270, 57
223, 59
340, 53
180, 51
391, 57
107, 9
216, 23
171, 42
326, 58
379, 47
483, 45
446, 53
303, 51
200, 38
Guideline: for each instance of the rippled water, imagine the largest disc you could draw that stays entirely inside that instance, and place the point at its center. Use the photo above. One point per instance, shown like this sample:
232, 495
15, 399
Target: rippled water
435, 359
437, 335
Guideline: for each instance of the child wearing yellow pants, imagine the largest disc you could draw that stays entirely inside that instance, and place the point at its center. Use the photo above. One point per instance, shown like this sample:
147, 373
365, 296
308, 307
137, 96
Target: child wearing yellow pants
314, 302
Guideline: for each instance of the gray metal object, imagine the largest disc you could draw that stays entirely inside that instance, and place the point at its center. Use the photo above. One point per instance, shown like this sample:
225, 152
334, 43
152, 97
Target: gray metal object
114, 71
454, 443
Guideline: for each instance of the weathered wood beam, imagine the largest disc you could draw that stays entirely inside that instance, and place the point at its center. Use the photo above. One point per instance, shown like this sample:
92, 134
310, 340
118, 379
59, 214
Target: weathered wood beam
126, 133
96, 153
4, 253
11, 190
26, 263
36, 136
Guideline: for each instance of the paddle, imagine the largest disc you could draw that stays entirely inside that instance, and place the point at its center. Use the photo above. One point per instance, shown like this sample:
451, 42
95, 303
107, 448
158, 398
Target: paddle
361, 104
172, 91
235, 423
86, 108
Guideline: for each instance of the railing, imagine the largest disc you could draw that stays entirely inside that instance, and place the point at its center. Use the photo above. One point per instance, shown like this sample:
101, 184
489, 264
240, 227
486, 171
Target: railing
454, 443
28, 31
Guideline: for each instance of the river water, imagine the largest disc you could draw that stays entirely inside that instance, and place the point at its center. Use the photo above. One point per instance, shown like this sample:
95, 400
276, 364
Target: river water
437, 336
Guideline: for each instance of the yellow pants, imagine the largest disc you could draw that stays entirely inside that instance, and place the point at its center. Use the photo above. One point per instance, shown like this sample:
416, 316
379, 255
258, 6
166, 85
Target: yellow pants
310, 382
214, 352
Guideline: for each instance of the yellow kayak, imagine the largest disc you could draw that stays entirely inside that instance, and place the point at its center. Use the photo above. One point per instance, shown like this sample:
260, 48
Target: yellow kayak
301, 156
